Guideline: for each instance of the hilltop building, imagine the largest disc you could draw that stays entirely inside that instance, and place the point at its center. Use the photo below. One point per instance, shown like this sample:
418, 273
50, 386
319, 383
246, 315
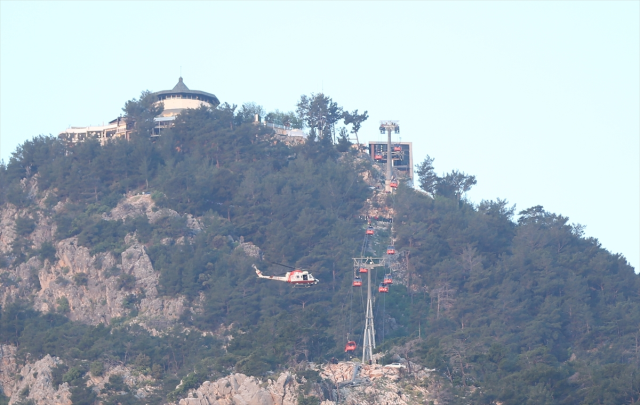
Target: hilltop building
175, 100
180, 98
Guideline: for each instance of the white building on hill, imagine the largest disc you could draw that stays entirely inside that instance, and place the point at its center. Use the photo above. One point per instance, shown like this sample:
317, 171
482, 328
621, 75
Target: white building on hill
175, 100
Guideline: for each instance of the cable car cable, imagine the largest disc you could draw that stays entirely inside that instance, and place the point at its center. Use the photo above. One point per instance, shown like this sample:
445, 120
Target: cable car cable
384, 309
344, 329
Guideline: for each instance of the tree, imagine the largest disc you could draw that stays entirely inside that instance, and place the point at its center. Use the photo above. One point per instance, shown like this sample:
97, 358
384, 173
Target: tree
356, 121
455, 184
444, 296
427, 176
343, 140
247, 113
459, 352
286, 119
470, 259
141, 112
320, 112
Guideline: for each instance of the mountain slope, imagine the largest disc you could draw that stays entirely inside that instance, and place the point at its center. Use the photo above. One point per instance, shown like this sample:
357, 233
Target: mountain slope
135, 259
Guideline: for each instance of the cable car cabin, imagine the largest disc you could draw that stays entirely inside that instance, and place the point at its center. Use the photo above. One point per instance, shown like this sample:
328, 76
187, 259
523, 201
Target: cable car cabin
364, 270
370, 230
357, 281
350, 347
383, 288
388, 279
391, 250
393, 184
377, 156
397, 149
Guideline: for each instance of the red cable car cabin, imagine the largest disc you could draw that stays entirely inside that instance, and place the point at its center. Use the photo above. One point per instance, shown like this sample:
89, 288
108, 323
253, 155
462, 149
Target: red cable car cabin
383, 288
397, 149
350, 347
357, 281
364, 270
388, 279
393, 184
391, 250
370, 230
377, 157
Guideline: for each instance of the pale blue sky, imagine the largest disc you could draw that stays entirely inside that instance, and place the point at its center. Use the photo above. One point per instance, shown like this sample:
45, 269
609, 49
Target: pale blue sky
539, 100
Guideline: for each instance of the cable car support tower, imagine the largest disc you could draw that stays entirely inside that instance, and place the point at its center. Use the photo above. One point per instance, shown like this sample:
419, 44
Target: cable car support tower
369, 341
389, 126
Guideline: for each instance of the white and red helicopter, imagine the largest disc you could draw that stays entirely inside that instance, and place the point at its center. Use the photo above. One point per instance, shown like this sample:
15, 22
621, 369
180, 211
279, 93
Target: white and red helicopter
298, 278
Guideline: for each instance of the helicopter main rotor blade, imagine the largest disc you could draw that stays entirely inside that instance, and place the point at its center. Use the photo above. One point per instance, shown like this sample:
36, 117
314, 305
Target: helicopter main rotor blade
280, 264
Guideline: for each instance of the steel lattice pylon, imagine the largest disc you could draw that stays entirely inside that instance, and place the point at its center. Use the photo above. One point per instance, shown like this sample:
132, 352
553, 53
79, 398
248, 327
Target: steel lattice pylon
369, 342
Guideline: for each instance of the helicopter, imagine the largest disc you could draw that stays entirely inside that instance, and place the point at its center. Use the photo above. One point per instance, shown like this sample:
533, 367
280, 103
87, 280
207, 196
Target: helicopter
296, 277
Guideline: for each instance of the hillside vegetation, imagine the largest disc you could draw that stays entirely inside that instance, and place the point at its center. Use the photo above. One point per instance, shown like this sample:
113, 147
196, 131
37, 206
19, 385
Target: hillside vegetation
516, 311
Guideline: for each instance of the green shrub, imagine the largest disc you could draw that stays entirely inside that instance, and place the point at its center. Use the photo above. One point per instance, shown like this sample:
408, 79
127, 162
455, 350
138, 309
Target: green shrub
112, 271
126, 282
24, 226
157, 371
34, 279
130, 301
116, 383
62, 281
72, 376
63, 305
57, 374
81, 279
47, 252
252, 365
142, 361
83, 395
97, 368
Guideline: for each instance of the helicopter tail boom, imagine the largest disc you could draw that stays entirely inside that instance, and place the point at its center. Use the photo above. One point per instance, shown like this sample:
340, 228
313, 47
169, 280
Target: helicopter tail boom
260, 275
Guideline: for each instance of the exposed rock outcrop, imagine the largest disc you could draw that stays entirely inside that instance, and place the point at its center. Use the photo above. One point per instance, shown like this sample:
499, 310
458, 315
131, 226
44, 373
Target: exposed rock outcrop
93, 286
140, 385
373, 384
143, 204
8, 367
250, 249
238, 389
36, 383
8, 215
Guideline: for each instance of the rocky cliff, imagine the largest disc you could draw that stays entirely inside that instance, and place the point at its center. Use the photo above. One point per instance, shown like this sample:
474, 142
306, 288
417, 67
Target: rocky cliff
88, 288
98, 288
401, 384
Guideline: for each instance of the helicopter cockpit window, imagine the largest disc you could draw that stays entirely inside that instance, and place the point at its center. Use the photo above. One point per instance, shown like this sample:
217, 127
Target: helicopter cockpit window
304, 277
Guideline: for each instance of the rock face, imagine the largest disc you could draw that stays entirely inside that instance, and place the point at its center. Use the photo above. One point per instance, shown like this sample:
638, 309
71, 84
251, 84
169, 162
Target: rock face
8, 367
143, 204
250, 249
374, 384
36, 383
238, 389
89, 288
8, 215
141, 385
102, 296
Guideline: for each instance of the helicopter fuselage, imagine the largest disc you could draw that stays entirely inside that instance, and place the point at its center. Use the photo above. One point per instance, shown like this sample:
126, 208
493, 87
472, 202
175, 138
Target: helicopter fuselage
295, 277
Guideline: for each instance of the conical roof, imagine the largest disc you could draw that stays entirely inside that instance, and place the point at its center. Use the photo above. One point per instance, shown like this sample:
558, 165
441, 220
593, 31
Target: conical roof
180, 86
181, 89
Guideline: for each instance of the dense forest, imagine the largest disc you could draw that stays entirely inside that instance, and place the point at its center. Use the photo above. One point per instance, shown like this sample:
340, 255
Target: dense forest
515, 307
